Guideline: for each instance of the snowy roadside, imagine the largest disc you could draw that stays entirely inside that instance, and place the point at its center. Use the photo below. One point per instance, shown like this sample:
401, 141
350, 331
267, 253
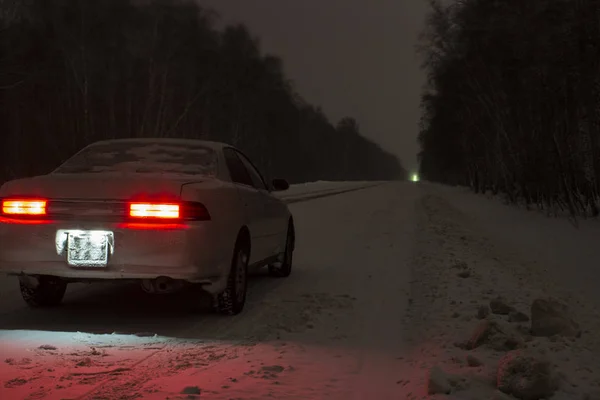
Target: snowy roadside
553, 246
475, 307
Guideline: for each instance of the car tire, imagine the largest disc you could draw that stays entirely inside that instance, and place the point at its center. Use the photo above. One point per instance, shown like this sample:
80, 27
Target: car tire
232, 300
284, 269
49, 292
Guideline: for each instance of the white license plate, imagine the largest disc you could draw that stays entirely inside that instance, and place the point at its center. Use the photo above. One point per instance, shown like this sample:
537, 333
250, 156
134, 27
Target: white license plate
88, 248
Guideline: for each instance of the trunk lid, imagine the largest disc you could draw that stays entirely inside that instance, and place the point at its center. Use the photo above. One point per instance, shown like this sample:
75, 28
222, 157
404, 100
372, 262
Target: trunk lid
97, 186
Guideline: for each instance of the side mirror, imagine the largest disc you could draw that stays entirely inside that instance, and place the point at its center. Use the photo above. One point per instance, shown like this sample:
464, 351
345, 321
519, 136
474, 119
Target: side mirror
280, 185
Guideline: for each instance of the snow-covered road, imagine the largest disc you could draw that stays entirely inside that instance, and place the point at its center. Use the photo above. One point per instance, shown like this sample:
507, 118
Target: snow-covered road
387, 284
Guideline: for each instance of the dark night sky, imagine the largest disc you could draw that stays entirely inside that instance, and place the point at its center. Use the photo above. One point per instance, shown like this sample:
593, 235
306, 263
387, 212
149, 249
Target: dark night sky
352, 57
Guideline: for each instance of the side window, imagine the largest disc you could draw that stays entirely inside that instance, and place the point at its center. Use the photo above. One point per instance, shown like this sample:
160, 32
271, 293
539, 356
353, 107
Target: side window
256, 177
237, 170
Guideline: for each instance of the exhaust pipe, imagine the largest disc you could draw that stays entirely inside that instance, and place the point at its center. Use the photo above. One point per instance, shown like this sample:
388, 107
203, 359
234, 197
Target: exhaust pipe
160, 285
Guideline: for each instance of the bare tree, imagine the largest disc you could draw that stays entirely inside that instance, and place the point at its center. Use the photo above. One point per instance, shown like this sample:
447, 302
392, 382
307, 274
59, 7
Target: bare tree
76, 71
512, 100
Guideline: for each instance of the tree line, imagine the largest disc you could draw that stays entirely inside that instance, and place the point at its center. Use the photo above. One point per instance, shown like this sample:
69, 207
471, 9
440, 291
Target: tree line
512, 102
76, 71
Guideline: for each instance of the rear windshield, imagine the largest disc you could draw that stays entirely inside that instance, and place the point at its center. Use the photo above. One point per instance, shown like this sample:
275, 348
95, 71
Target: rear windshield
143, 157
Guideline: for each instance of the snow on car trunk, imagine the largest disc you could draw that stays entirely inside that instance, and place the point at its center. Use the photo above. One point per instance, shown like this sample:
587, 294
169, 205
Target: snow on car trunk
95, 186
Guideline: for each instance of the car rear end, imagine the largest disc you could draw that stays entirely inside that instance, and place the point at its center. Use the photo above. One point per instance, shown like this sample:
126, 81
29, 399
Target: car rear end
110, 225
105, 239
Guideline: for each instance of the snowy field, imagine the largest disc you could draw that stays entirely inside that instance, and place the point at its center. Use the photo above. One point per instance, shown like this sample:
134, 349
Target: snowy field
399, 291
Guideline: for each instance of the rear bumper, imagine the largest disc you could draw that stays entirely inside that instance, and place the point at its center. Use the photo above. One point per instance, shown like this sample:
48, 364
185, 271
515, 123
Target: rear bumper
191, 252
111, 272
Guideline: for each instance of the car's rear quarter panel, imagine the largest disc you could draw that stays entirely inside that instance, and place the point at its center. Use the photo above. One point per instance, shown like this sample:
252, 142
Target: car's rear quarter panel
227, 215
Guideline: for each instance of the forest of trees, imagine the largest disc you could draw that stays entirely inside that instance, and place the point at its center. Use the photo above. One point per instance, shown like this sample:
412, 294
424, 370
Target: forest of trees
512, 103
77, 71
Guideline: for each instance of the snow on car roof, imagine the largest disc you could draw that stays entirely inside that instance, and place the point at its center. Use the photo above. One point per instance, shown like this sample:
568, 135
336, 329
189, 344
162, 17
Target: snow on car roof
176, 141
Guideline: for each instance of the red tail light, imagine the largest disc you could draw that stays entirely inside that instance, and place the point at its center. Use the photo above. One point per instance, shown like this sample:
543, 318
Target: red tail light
24, 207
151, 210
168, 211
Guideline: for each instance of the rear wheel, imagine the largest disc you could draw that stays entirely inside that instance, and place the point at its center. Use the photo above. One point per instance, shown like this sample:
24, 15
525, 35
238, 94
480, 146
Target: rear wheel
283, 268
232, 300
49, 291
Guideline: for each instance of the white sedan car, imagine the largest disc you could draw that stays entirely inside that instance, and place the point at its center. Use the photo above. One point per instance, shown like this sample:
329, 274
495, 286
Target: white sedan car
168, 213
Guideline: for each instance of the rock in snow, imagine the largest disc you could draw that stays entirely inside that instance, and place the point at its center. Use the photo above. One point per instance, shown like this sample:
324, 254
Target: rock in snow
526, 377
480, 335
473, 361
464, 274
496, 335
550, 317
483, 311
517, 316
191, 390
439, 382
500, 307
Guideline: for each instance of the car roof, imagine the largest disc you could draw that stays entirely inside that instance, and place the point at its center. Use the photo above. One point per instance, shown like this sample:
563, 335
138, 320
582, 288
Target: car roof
217, 146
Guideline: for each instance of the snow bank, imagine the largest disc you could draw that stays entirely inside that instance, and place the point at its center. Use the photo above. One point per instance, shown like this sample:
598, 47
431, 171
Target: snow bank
553, 245
489, 321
